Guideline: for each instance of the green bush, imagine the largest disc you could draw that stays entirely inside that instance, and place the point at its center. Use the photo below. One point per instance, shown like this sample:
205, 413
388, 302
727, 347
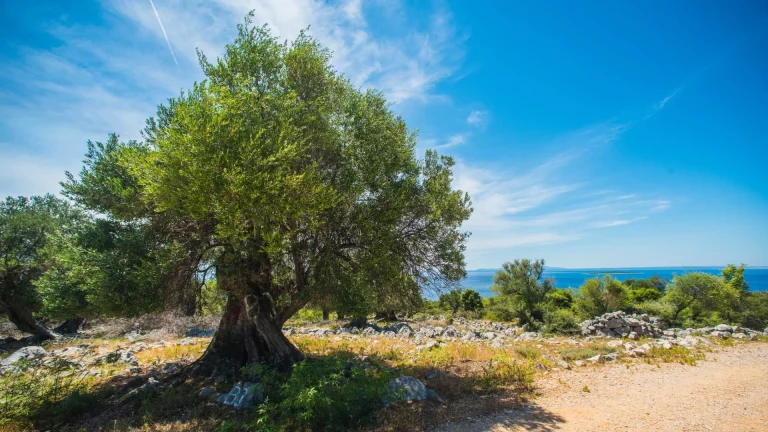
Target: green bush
561, 321
560, 298
501, 311
321, 395
639, 295
471, 300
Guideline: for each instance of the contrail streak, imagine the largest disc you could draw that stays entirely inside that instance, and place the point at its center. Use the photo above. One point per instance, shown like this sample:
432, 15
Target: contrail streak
164, 34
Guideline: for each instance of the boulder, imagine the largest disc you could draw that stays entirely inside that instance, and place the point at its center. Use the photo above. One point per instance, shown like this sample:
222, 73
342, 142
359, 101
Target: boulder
406, 388
32, 354
450, 332
723, 328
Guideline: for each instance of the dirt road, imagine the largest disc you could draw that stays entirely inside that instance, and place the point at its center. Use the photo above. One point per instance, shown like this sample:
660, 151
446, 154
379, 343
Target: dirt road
726, 392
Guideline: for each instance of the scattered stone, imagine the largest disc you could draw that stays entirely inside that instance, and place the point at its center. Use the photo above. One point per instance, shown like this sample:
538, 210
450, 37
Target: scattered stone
432, 395
563, 364
611, 357
243, 395
620, 324
579, 363
406, 388
187, 341
739, 336
497, 343
723, 328
207, 392
595, 359
196, 332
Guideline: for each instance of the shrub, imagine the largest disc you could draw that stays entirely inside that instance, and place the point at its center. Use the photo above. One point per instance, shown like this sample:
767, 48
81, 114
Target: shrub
560, 298
640, 295
320, 395
598, 296
529, 353
49, 393
471, 300
561, 321
501, 373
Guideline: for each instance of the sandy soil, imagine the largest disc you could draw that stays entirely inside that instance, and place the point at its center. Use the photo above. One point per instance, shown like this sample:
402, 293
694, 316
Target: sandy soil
726, 392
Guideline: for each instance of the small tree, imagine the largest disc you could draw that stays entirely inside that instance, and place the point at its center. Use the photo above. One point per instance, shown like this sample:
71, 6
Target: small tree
451, 300
520, 280
695, 293
598, 296
471, 300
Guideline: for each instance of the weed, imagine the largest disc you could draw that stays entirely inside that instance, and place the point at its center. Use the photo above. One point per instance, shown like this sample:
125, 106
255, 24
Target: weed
586, 389
529, 353
584, 352
676, 354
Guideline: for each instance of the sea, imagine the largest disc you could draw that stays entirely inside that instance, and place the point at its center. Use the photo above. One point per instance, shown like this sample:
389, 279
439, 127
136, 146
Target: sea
481, 280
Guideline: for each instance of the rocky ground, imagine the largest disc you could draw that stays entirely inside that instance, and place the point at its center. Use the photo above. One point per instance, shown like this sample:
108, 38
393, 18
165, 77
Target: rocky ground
726, 392
624, 372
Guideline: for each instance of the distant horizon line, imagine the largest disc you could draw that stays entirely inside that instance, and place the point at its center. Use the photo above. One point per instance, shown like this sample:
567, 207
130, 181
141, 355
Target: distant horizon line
630, 268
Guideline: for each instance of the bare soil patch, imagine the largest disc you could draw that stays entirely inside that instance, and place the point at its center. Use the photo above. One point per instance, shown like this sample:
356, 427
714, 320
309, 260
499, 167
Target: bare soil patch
726, 392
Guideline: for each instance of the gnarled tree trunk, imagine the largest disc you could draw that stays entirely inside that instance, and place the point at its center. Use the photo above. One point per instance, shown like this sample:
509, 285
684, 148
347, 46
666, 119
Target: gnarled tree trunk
250, 330
23, 319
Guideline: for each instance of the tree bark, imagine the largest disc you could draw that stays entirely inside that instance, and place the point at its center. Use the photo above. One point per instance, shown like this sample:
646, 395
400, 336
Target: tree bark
23, 319
70, 326
242, 338
388, 315
250, 330
326, 314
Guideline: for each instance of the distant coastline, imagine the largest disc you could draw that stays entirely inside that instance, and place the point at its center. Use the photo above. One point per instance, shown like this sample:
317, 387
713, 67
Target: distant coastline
481, 279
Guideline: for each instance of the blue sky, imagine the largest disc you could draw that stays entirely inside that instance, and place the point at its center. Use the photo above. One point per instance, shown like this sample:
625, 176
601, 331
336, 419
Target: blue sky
591, 134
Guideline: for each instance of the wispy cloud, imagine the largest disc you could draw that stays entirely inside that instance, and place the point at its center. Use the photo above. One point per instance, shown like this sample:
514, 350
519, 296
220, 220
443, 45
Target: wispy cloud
618, 222
558, 199
453, 141
165, 35
477, 118
662, 103
87, 84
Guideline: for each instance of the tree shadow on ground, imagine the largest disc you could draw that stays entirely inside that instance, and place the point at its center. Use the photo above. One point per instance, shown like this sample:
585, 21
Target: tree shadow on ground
529, 417
127, 402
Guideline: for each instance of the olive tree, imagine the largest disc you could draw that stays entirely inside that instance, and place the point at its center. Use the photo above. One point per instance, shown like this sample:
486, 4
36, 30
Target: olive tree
287, 182
30, 228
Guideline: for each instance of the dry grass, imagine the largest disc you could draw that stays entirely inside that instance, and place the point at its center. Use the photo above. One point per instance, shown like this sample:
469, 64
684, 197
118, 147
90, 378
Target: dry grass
471, 377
